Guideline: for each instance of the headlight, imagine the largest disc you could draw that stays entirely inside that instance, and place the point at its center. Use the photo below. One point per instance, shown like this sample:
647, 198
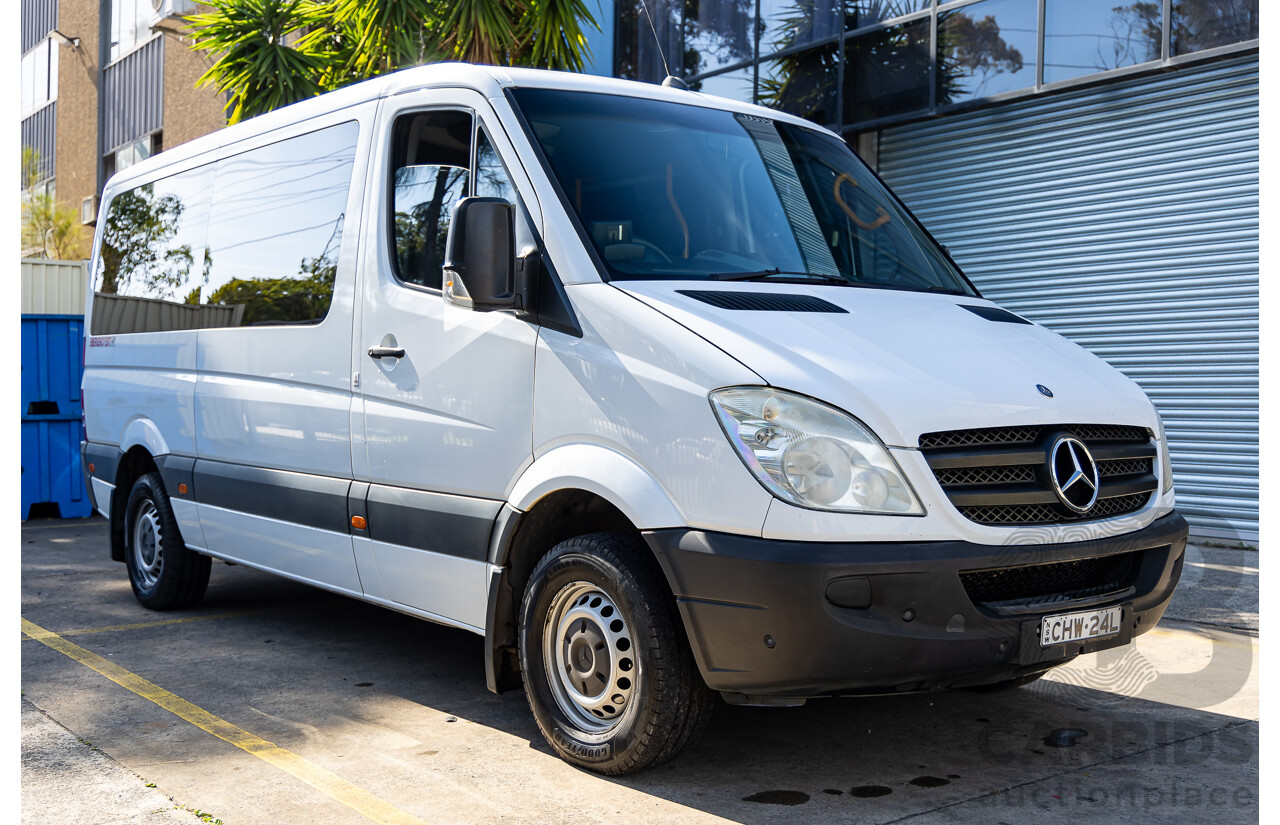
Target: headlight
811, 454
1166, 462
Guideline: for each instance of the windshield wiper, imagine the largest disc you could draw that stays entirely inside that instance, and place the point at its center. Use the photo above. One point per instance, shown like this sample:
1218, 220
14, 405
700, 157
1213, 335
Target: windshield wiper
781, 274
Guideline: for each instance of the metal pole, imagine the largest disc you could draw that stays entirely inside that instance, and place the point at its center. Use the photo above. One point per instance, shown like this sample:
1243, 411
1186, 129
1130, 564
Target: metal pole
1166, 33
755, 56
1040, 27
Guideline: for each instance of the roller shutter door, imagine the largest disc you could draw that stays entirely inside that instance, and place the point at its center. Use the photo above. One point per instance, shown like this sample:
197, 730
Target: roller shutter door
1124, 217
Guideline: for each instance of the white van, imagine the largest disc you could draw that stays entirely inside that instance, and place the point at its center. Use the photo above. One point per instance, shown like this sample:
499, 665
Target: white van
667, 396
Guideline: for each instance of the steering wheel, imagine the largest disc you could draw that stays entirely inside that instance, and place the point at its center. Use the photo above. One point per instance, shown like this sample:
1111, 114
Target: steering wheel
666, 259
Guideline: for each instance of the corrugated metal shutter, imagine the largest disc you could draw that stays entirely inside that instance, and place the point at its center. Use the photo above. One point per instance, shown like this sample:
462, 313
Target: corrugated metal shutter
1124, 217
117, 314
53, 287
134, 91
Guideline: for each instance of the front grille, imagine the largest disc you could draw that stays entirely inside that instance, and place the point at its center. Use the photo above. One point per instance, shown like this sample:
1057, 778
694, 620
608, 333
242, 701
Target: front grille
985, 475
1000, 475
1059, 580
1015, 514
975, 438
1124, 467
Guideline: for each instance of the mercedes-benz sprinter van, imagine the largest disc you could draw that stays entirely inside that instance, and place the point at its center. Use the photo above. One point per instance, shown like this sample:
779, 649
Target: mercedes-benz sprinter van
667, 396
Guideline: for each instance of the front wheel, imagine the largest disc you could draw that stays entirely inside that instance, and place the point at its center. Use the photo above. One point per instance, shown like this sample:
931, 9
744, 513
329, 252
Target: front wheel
607, 668
165, 575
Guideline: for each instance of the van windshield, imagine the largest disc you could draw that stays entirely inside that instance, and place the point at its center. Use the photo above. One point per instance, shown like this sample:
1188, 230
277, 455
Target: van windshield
671, 191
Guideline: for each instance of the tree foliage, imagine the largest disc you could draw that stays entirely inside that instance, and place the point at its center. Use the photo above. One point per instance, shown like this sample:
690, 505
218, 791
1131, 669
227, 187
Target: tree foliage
49, 229
270, 53
136, 252
287, 300
883, 63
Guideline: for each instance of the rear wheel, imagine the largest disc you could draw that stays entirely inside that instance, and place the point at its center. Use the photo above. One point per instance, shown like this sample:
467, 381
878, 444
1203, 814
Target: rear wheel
607, 668
164, 574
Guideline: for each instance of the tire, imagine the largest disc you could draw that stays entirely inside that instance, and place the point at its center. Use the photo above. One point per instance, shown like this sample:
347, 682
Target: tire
597, 606
164, 574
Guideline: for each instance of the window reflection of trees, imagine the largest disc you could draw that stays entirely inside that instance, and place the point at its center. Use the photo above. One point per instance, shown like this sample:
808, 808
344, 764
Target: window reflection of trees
137, 255
1204, 24
971, 53
272, 225
302, 298
425, 197
886, 70
697, 36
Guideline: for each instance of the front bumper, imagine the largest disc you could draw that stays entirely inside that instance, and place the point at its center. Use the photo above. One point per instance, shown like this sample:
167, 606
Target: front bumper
761, 617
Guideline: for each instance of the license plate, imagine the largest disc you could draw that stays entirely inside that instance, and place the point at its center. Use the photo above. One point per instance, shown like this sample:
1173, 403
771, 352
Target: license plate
1073, 627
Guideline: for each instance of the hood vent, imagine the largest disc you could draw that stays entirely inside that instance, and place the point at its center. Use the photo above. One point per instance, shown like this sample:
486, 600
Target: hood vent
762, 301
1003, 316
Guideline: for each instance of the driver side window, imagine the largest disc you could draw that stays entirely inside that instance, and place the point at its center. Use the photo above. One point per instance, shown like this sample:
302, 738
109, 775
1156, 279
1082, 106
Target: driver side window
431, 159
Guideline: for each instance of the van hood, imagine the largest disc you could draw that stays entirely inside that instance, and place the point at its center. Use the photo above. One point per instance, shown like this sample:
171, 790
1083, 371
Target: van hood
905, 363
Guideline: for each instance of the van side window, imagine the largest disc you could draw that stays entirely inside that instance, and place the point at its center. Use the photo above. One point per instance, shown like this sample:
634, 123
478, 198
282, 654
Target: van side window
431, 159
153, 257
275, 227
250, 239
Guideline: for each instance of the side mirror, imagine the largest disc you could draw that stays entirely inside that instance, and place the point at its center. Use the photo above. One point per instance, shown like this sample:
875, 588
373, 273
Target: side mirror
480, 253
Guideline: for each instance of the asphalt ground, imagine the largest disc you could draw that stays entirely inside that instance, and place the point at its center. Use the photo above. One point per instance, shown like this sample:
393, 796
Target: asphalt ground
272, 702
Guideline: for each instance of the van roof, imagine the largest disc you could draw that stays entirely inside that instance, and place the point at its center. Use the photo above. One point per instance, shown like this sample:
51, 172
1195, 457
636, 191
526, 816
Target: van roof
487, 80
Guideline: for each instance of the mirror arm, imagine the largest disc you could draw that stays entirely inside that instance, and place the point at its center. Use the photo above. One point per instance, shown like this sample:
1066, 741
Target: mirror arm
528, 270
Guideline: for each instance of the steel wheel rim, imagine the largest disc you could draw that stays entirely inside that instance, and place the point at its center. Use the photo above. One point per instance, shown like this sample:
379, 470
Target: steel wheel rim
589, 657
148, 554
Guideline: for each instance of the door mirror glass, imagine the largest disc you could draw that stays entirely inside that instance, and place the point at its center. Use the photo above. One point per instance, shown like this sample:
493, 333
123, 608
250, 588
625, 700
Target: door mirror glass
481, 254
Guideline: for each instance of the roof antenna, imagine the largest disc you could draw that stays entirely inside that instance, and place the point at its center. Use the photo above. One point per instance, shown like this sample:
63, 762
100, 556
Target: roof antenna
670, 81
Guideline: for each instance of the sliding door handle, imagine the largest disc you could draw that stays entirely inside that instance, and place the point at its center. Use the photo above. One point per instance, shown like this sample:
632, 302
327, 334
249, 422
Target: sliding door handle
386, 352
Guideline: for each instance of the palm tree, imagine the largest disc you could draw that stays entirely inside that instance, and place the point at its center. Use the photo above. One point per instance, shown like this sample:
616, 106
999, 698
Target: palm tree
270, 53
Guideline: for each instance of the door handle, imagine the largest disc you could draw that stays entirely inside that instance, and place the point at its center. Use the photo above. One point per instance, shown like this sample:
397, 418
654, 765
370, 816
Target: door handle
386, 352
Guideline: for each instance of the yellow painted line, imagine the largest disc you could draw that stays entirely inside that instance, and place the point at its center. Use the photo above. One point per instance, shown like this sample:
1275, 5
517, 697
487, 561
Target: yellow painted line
64, 526
163, 622
327, 782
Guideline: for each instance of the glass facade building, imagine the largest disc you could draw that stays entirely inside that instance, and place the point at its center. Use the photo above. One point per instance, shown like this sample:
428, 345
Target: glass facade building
857, 65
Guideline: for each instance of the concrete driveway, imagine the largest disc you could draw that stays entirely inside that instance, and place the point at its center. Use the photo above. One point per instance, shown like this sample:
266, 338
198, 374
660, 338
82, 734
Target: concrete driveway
276, 703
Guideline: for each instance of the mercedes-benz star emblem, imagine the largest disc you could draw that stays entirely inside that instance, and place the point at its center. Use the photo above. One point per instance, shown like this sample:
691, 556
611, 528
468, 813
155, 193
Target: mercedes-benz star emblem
1074, 473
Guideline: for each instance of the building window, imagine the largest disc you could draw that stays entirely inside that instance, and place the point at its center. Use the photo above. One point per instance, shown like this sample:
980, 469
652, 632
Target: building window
887, 71
735, 85
130, 26
637, 53
1084, 37
39, 76
862, 64
718, 34
1207, 24
135, 152
803, 83
986, 49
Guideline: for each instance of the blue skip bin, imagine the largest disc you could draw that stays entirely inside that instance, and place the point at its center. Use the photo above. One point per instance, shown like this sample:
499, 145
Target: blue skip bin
51, 471
52, 364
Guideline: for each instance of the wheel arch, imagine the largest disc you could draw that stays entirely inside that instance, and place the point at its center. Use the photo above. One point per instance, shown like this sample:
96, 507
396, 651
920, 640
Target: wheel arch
520, 538
135, 461
603, 472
